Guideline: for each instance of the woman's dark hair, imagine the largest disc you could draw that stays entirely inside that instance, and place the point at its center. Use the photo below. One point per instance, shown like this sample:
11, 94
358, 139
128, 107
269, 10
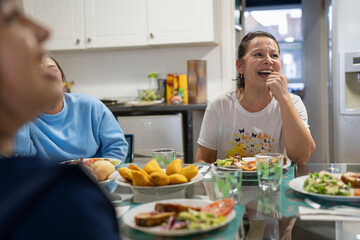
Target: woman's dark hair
61, 71
240, 81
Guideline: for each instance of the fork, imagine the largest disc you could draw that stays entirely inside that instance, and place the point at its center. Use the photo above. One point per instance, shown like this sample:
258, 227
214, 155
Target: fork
204, 172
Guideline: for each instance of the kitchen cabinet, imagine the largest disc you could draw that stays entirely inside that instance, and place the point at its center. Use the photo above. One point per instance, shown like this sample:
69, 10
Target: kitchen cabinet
91, 23
65, 18
84, 24
181, 21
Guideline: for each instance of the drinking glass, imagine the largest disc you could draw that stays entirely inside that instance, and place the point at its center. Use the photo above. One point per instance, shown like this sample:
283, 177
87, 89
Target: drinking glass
226, 182
269, 170
163, 156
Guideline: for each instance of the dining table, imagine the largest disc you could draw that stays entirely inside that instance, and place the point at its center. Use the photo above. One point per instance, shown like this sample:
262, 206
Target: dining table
278, 214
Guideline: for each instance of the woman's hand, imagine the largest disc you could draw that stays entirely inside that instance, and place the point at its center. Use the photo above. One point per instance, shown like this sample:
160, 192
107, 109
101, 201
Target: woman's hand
277, 84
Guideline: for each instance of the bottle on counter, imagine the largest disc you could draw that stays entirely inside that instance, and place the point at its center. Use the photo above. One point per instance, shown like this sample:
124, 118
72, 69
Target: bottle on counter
153, 80
171, 80
183, 88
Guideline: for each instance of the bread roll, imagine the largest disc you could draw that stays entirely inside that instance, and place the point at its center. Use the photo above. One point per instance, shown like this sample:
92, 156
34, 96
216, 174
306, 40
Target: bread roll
351, 177
104, 169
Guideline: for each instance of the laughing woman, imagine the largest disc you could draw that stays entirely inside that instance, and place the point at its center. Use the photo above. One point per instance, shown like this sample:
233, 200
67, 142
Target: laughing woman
261, 115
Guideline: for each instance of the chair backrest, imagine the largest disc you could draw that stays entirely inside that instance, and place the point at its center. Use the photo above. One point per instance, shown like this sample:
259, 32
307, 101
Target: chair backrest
130, 140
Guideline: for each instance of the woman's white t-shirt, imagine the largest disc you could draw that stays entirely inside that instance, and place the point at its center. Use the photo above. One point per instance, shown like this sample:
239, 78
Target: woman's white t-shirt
228, 128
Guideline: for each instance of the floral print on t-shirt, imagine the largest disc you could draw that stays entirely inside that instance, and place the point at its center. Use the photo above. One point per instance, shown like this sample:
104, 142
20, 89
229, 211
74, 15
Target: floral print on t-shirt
247, 144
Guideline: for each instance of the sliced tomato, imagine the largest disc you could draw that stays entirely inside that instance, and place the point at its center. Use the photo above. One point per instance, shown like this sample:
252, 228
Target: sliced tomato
89, 162
220, 207
357, 192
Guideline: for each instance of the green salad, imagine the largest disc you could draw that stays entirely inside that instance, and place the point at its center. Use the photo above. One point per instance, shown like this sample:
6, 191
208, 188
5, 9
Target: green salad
224, 163
326, 183
200, 220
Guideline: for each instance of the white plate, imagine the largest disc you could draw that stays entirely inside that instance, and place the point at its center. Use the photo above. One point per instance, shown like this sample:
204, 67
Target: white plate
297, 184
129, 218
251, 173
140, 103
159, 190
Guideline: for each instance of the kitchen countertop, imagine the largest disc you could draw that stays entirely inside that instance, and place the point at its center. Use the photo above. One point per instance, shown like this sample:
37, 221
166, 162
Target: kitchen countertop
158, 108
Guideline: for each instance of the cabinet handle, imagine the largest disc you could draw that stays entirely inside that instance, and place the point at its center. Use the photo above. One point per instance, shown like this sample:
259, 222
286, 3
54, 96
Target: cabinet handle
77, 41
89, 40
152, 35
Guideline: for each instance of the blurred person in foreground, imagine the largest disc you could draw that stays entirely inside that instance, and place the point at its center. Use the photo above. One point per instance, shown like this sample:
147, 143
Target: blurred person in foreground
39, 199
260, 115
74, 126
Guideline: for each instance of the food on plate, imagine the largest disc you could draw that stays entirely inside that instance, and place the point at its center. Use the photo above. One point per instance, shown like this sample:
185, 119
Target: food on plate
177, 216
103, 170
220, 207
189, 171
152, 166
153, 175
236, 162
174, 167
324, 182
148, 95
177, 179
150, 219
357, 192
173, 207
159, 179
126, 174
136, 168
140, 179
90, 162
352, 178
247, 166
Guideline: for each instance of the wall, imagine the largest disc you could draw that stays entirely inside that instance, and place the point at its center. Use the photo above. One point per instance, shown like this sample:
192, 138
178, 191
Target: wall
315, 72
120, 72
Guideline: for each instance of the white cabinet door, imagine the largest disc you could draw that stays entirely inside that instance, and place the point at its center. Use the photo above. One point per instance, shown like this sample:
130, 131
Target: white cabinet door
181, 21
64, 18
114, 23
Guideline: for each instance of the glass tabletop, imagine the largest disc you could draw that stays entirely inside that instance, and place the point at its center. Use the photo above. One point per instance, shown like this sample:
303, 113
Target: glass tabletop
265, 214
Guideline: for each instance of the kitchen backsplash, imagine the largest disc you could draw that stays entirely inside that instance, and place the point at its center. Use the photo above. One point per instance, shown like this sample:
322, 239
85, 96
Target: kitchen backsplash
119, 73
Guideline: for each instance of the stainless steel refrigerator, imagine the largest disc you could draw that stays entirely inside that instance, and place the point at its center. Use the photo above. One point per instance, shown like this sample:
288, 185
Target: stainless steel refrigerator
345, 66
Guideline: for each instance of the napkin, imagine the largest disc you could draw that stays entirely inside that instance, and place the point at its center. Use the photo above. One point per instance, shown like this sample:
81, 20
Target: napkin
205, 170
306, 213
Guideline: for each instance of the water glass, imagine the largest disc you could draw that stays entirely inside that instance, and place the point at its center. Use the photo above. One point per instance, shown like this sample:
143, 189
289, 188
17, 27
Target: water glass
163, 156
269, 170
226, 182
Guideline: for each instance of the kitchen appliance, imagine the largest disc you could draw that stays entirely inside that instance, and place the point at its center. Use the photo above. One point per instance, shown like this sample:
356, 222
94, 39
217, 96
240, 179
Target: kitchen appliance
346, 82
153, 132
349, 79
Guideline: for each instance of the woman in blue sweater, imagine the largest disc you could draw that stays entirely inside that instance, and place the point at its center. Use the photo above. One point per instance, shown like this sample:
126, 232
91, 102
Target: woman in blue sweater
74, 126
